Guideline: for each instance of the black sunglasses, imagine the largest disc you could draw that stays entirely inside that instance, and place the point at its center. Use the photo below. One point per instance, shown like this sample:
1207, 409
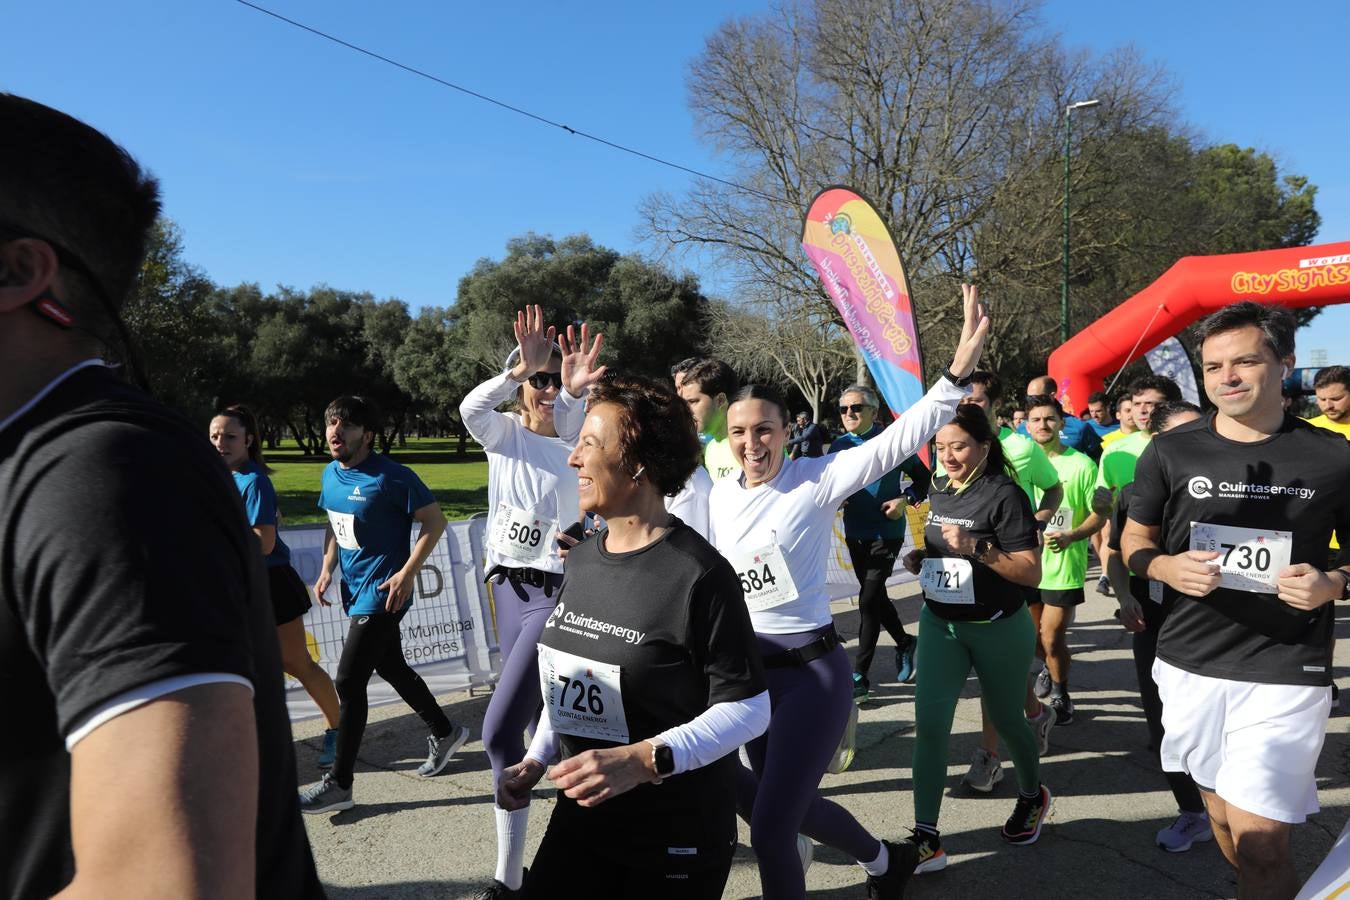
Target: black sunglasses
541, 380
855, 408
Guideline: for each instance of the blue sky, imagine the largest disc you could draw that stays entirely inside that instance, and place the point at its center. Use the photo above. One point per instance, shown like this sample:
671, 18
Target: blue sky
288, 160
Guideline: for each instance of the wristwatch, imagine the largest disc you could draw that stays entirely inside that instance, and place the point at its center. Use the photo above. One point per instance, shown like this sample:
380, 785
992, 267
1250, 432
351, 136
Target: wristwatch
663, 759
982, 547
959, 382
1345, 584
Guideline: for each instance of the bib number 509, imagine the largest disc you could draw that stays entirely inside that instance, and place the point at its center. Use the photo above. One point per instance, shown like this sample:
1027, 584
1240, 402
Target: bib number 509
591, 695
524, 535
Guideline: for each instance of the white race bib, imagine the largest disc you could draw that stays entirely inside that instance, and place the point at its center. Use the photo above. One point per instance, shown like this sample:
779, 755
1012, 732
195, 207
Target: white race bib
344, 529
522, 536
1062, 520
582, 696
948, 580
765, 578
1249, 558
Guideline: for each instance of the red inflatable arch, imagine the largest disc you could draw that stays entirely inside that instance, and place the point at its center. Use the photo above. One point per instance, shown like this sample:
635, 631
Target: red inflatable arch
1194, 287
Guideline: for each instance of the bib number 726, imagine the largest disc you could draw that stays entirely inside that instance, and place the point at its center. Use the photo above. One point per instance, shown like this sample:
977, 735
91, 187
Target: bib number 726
590, 694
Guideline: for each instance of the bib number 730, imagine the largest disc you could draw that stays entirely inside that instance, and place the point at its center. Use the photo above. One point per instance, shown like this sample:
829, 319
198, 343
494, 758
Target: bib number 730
1249, 558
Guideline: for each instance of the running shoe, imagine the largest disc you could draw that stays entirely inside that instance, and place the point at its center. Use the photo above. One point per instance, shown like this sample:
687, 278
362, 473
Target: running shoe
861, 691
1189, 828
904, 660
891, 886
932, 858
439, 750
1042, 725
1042, 686
1063, 707
986, 770
1104, 586
329, 751
806, 851
325, 796
499, 891
1024, 825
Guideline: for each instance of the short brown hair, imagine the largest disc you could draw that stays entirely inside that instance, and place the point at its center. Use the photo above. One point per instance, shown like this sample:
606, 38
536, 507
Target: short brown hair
656, 430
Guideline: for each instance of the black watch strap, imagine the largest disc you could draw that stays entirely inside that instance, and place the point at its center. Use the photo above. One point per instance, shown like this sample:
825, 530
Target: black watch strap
959, 382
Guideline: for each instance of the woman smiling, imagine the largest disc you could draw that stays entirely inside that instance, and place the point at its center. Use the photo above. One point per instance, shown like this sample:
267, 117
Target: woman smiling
648, 669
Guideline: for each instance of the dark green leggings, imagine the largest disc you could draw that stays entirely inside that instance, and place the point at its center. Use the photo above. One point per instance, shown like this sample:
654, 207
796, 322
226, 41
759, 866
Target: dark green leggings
1001, 653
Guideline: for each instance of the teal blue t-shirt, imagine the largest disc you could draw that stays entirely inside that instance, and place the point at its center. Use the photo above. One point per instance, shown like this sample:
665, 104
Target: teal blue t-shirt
370, 508
260, 503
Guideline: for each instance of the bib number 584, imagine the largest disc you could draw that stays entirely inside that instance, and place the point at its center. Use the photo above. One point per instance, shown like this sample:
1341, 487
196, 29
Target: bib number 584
756, 579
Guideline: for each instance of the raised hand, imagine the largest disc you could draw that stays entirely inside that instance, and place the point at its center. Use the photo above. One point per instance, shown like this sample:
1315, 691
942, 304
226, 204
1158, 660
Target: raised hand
535, 342
579, 370
974, 331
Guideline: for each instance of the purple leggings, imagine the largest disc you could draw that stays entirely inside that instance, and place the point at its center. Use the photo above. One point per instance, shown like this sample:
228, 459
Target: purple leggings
780, 797
522, 611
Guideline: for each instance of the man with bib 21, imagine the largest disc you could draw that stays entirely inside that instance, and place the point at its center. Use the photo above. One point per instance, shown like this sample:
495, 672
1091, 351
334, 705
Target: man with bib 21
1232, 513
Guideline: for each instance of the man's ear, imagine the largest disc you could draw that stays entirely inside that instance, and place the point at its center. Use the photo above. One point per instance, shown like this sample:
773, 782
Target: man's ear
28, 266
720, 401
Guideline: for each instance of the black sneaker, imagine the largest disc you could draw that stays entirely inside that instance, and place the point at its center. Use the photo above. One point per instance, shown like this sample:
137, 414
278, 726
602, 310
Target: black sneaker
1063, 707
904, 856
932, 858
904, 660
1024, 825
499, 891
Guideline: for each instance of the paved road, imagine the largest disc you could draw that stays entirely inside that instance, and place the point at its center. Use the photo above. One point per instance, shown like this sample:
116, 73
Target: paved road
410, 837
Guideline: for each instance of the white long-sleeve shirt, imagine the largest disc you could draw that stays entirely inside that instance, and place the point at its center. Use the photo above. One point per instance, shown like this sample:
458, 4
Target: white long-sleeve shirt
795, 511
526, 471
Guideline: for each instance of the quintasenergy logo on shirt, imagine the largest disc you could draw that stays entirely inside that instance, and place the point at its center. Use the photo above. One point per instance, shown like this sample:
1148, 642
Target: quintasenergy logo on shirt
590, 627
936, 519
1201, 487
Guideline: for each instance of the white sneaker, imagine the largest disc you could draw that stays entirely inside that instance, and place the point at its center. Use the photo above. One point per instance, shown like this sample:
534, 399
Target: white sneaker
806, 850
986, 770
1042, 725
1188, 829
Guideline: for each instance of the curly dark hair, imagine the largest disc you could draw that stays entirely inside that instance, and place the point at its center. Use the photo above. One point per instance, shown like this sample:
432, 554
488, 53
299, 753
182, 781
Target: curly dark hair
656, 430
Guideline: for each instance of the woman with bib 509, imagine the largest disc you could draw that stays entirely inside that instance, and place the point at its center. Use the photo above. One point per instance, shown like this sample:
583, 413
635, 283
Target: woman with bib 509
532, 494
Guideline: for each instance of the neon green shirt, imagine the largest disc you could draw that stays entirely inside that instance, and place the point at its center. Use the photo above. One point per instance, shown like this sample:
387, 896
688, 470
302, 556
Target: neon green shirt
1118, 461
719, 462
1078, 475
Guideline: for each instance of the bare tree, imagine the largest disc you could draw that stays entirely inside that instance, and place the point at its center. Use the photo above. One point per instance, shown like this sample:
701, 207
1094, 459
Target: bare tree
775, 344
933, 109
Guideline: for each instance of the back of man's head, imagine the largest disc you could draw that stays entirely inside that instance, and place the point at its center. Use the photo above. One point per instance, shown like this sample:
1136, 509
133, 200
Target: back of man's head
71, 186
1042, 385
712, 377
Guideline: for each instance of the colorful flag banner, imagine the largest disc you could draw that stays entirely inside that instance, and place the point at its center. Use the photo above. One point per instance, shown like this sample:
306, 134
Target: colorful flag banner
861, 270
1170, 359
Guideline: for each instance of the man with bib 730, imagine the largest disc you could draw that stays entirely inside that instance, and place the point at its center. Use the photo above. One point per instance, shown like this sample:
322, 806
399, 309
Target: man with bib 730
1232, 513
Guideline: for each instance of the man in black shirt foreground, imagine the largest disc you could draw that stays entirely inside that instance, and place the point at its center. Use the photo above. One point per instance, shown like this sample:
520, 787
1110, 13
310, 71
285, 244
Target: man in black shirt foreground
147, 750
1231, 515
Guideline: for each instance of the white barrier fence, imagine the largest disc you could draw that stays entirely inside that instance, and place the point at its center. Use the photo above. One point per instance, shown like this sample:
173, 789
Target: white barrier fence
450, 634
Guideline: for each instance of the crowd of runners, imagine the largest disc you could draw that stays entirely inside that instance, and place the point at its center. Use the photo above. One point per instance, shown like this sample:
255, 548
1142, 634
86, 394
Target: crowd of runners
658, 561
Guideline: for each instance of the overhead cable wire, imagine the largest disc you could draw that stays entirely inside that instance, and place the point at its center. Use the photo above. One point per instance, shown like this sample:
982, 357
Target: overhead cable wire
504, 105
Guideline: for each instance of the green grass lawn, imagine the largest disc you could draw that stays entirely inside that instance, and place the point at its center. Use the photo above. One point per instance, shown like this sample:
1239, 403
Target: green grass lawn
459, 483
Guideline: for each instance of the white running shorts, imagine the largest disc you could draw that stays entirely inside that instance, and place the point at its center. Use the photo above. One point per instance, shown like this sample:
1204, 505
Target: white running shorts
1255, 745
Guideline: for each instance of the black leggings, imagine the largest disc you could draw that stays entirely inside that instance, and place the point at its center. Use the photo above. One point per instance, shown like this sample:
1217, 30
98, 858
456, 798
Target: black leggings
1145, 648
375, 644
873, 562
566, 864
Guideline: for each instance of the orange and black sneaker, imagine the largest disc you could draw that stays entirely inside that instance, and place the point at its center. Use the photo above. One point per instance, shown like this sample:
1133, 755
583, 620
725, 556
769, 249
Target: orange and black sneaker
1024, 825
932, 858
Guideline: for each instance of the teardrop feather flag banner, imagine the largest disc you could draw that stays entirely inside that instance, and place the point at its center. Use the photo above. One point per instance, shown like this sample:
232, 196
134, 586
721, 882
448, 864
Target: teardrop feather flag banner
860, 267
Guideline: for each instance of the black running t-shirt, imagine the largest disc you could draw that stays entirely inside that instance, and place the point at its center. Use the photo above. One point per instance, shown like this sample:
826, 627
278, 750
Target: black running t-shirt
1262, 506
125, 559
640, 642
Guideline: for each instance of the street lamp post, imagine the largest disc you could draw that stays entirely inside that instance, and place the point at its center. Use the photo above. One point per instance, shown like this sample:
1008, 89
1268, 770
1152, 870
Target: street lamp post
1064, 284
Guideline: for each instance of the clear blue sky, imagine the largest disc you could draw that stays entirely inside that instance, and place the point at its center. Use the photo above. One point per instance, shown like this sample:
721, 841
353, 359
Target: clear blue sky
288, 160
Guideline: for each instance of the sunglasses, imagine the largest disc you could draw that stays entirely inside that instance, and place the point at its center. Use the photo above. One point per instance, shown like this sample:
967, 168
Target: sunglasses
855, 408
541, 380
